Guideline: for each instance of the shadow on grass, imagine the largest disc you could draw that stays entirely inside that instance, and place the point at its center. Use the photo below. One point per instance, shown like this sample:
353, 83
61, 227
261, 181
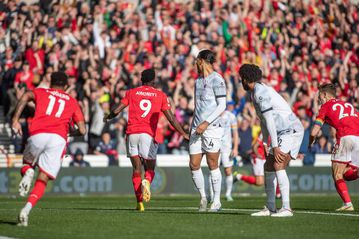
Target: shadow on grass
12, 223
150, 211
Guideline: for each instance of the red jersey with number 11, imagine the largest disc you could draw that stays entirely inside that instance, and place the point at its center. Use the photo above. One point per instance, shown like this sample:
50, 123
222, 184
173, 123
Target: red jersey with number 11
53, 112
340, 115
145, 106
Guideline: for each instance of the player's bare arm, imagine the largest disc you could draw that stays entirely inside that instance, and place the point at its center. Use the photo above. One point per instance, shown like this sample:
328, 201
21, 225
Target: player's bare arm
313, 135
114, 112
25, 98
80, 131
174, 122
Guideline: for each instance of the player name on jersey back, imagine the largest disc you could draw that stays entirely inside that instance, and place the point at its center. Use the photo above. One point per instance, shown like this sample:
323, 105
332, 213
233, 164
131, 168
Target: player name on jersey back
150, 94
145, 104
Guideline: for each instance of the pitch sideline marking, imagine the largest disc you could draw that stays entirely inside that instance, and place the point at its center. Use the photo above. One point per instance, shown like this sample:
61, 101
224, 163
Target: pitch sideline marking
223, 209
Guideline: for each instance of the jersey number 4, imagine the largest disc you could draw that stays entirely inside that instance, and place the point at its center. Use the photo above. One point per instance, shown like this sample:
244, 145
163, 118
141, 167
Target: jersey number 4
51, 105
342, 108
145, 105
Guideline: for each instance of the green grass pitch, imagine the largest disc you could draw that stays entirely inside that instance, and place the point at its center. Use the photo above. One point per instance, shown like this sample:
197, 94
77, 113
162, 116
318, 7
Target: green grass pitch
176, 217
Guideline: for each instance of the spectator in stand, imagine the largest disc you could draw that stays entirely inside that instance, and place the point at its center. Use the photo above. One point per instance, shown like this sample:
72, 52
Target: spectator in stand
104, 45
322, 146
107, 147
78, 160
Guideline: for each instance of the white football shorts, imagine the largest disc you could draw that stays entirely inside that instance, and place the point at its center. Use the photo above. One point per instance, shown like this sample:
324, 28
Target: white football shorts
45, 150
347, 151
142, 145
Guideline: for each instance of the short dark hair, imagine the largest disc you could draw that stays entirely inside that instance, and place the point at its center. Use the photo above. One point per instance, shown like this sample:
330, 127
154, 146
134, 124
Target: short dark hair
207, 55
148, 75
250, 72
59, 78
328, 88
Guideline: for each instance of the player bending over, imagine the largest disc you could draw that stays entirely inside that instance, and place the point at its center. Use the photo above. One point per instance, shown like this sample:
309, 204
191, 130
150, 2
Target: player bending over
228, 151
286, 134
54, 109
207, 129
145, 106
345, 157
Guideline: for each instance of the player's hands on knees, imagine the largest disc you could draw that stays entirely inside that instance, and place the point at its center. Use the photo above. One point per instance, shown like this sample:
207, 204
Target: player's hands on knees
279, 156
202, 127
16, 128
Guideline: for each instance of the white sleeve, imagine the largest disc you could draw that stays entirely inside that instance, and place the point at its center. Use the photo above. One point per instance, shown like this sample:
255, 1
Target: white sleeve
265, 133
270, 125
221, 107
263, 100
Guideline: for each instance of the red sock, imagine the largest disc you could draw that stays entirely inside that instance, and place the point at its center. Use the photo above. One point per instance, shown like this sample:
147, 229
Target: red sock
37, 192
136, 180
24, 169
249, 179
342, 189
351, 174
149, 175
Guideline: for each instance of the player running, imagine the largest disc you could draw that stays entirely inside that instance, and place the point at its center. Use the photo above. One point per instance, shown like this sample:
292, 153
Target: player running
229, 150
145, 106
54, 109
207, 129
286, 134
345, 157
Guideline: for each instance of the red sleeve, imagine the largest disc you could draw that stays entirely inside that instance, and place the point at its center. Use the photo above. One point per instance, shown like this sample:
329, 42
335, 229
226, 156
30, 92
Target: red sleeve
17, 77
165, 103
321, 116
78, 115
36, 93
126, 99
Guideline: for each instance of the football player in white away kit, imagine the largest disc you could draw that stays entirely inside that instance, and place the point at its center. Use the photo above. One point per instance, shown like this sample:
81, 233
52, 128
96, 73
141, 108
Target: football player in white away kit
286, 133
206, 130
229, 150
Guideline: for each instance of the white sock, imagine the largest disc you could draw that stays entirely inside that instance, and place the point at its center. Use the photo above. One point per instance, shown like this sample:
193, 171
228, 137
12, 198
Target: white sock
211, 193
283, 182
348, 204
28, 207
198, 179
216, 184
229, 185
270, 185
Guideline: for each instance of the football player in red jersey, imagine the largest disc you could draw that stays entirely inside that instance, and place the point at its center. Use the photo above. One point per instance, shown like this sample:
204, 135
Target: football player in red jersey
54, 110
345, 157
145, 105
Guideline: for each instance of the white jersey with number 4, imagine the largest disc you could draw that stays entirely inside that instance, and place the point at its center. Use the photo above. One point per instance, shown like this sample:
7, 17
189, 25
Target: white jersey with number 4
207, 91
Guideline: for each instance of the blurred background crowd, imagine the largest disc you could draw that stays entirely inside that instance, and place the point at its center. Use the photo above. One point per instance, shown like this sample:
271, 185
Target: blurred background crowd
103, 45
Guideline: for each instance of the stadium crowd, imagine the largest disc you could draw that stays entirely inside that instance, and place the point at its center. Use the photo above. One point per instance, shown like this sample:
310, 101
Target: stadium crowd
104, 45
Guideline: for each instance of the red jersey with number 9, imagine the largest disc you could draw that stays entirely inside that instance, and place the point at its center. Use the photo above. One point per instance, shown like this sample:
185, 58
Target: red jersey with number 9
340, 115
54, 111
145, 105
